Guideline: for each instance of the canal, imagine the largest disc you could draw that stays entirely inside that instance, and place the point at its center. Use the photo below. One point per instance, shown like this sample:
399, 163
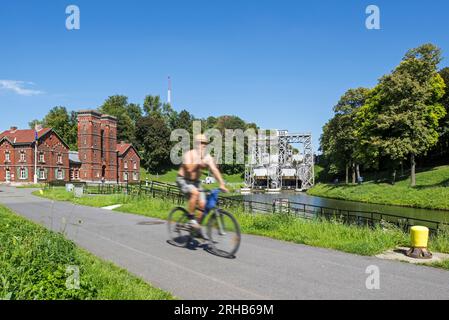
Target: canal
413, 213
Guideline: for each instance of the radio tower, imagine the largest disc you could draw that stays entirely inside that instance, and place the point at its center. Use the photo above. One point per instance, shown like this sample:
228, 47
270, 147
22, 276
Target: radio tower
169, 91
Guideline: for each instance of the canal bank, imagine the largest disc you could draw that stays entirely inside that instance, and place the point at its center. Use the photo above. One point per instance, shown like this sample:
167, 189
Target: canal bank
352, 206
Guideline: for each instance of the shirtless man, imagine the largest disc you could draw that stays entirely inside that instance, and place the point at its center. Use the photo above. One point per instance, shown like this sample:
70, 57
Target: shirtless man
189, 175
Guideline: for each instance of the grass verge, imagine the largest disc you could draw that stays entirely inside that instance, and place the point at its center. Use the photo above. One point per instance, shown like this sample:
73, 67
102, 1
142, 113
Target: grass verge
320, 233
431, 191
34, 262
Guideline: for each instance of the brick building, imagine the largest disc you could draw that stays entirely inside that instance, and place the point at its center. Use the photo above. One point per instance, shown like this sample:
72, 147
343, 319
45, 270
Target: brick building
17, 154
99, 158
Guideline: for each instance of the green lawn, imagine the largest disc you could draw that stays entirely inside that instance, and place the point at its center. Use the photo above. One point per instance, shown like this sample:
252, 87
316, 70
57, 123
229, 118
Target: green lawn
431, 191
34, 261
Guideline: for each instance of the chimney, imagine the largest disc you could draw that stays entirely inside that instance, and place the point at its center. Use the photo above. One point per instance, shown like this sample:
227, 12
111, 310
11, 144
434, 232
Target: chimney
13, 129
122, 142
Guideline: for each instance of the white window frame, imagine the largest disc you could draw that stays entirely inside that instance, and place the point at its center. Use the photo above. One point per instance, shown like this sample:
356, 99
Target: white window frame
125, 176
59, 158
22, 174
60, 174
22, 156
41, 157
135, 176
125, 165
135, 165
42, 174
7, 156
8, 175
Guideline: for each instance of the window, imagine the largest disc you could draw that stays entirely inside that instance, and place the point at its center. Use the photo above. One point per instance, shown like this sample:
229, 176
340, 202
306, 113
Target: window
135, 176
7, 156
125, 176
59, 158
60, 175
42, 174
135, 165
41, 157
8, 175
126, 165
85, 156
22, 156
23, 174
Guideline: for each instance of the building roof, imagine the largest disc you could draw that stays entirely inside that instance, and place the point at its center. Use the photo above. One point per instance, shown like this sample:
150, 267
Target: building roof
27, 136
74, 157
122, 148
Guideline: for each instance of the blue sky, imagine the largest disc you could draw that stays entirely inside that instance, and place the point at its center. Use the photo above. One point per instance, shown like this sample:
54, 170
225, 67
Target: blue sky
281, 64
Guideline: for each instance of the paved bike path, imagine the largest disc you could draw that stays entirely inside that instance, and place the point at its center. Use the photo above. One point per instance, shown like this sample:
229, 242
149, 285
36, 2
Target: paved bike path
264, 268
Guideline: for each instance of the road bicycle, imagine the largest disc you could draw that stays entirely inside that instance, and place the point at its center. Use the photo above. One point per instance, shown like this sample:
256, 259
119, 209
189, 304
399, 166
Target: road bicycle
222, 229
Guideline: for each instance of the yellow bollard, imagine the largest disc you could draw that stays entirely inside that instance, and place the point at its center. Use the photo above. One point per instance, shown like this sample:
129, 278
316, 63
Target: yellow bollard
420, 238
41, 191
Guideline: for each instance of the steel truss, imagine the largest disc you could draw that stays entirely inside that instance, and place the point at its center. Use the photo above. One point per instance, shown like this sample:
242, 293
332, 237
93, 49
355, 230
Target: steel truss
274, 153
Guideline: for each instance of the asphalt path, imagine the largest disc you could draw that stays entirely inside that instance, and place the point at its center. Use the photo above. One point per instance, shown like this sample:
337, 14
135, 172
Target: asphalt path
263, 269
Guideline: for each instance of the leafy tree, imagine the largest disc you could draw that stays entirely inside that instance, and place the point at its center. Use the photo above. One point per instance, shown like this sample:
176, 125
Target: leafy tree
63, 123
33, 123
444, 123
152, 105
340, 139
153, 136
404, 111
118, 107
134, 112
184, 121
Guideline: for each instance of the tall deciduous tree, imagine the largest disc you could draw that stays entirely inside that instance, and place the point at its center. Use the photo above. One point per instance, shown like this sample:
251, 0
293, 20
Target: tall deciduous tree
405, 110
118, 107
340, 139
153, 136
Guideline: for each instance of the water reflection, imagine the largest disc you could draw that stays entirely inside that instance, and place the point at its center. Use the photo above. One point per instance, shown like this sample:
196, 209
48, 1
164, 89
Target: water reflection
427, 214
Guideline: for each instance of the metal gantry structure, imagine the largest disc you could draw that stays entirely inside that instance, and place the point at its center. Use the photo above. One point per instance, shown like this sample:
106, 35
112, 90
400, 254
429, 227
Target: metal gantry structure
273, 162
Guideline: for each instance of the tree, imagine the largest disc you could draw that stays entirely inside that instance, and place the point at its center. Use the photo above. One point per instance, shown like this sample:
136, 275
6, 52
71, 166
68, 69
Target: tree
62, 123
340, 139
134, 111
118, 107
33, 123
152, 105
444, 123
404, 110
153, 136
184, 121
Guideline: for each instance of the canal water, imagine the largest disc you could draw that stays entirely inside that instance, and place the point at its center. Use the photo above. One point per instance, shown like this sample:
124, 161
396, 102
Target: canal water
426, 214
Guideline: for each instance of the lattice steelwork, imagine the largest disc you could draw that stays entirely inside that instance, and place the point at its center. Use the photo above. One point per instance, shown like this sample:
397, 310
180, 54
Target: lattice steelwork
279, 167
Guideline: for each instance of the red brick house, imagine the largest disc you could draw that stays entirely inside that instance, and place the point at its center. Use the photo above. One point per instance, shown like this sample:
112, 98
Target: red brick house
17, 156
99, 157
128, 163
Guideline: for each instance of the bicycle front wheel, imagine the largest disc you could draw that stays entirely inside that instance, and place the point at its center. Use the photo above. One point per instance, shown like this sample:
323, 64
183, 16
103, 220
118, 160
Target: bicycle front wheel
223, 232
178, 229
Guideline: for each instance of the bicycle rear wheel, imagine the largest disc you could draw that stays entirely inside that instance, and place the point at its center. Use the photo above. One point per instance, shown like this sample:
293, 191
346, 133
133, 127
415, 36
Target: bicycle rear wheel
178, 230
223, 232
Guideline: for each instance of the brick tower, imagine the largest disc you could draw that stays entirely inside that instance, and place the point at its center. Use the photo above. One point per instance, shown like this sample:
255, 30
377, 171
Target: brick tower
109, 148
97, 146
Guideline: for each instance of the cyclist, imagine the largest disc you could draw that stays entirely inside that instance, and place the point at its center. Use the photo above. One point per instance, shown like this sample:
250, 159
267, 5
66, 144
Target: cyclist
189, 175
